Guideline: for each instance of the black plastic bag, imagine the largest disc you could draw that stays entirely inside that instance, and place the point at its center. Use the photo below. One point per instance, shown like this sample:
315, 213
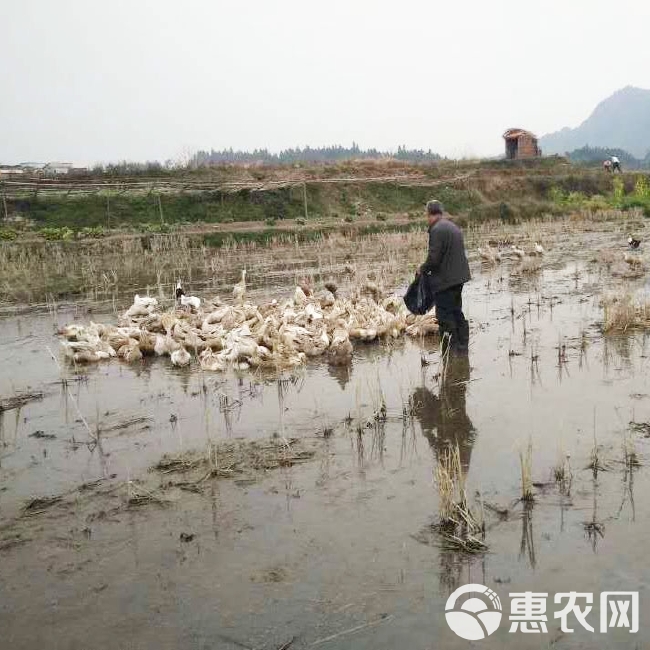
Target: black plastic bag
419, 298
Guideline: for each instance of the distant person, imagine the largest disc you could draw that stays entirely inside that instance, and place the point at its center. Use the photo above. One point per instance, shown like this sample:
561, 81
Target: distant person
616, 164
447, 271
607, 166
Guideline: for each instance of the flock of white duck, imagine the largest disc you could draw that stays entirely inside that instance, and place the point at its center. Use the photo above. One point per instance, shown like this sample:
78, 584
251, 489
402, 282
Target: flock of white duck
495, 255
242, 335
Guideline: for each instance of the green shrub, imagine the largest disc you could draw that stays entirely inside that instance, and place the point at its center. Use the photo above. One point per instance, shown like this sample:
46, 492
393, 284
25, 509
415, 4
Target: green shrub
301, 222
156, 228
506, 213
381, 217
642, 188
556, 195
619, 190
349, 218
7, 235
270, 221
630, 202
575, 200
95, 232
598, 202
57, 234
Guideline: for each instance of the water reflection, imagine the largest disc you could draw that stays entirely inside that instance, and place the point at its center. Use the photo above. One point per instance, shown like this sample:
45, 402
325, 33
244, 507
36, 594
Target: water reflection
342, 374
443, 417
445, 423
527, 544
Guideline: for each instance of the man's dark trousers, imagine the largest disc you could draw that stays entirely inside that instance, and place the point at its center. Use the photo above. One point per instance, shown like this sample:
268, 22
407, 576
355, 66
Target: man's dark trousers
451, 320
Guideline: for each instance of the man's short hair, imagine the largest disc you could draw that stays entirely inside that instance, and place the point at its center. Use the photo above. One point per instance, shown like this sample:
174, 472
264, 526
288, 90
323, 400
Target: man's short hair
435, 207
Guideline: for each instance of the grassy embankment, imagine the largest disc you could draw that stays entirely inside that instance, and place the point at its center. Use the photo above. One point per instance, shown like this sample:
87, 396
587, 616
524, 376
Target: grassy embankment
474, 193
66, 244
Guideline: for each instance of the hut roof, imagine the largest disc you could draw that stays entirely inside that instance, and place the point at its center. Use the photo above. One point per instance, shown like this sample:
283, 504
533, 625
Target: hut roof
511, 134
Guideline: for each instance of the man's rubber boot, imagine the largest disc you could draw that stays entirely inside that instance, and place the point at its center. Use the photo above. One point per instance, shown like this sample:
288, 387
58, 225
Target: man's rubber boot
462, 339
447, 336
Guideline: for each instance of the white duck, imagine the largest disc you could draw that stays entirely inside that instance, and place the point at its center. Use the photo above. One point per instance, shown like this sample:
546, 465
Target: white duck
145, 301
313, 313
518, 252
190, 301
165, 344
142, 306
488, 255
539, 249
73, 332
299, 297
239, 290
340, 352
212, 361
130, 352
180, 357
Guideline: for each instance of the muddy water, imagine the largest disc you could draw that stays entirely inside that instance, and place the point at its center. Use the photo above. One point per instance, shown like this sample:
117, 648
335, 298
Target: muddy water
339, 552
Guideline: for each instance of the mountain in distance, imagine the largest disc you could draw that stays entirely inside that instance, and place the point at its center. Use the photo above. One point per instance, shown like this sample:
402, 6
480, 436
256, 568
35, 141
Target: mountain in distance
620, 121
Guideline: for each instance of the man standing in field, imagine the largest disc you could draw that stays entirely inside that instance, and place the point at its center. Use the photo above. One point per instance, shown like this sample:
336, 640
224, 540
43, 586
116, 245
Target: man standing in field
616, 164
447, 271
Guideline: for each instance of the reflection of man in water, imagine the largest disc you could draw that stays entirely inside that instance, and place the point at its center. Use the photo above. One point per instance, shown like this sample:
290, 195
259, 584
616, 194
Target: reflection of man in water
444, 422
443, 417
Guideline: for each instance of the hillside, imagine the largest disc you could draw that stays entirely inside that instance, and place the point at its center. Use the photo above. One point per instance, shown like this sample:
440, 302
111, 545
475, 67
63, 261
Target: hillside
622, 121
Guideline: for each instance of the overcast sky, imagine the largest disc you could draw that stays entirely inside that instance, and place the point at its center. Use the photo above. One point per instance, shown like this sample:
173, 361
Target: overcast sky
106, 80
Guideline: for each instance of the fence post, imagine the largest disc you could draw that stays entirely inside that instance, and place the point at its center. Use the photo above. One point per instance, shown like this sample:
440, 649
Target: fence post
162, 218
4, 201
304, 196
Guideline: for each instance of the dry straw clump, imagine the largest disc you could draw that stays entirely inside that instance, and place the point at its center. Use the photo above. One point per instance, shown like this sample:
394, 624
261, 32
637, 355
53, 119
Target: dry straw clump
526, 463
458, 525
625, 312
230, 458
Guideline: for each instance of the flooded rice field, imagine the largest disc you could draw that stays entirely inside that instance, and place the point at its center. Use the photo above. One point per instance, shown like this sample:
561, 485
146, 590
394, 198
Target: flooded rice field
147, 506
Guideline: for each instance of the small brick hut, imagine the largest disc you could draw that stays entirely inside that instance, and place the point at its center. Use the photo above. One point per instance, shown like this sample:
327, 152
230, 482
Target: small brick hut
521, 144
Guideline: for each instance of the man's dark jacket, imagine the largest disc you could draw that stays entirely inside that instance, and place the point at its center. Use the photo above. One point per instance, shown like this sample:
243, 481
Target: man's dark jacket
446, 265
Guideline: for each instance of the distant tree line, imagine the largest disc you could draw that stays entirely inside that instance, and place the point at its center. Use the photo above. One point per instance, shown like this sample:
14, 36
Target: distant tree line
130, 168
309, 154
596, 155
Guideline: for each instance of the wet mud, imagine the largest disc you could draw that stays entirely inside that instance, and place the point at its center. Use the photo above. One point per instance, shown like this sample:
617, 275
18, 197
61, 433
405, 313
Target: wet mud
143, 506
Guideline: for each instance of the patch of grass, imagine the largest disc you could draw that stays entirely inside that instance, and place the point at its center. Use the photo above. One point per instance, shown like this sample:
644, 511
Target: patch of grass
7, 234
78, 211
513, 211
562, 473
526, 465
92, 232
156, 228
57, 234
228, 459
625, 312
